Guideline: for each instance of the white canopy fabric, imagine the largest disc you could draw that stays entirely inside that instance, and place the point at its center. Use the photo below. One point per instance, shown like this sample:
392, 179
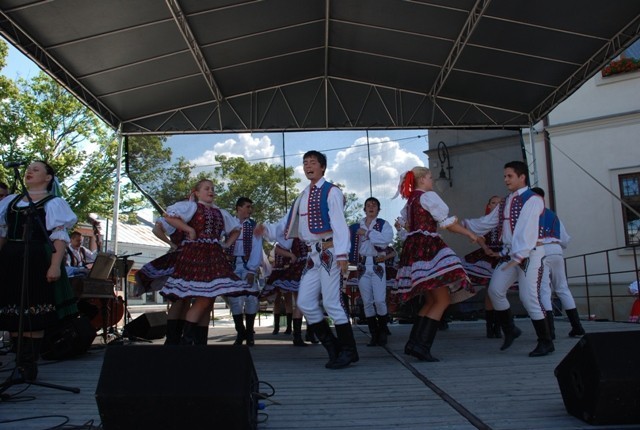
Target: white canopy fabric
214, 66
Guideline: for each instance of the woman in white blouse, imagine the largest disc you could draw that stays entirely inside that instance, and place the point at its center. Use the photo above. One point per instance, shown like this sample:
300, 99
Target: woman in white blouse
48, 296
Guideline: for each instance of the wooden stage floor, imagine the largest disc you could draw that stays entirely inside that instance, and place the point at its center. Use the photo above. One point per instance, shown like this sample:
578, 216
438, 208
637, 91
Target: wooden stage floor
475, 385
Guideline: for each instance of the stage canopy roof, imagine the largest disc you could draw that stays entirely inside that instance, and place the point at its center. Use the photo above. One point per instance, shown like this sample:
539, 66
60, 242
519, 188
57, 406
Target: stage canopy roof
202, 66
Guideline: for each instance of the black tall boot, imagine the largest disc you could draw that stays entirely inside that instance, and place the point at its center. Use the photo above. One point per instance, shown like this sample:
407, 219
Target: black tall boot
276, 324
348, 351
413, 339
383, 330
202, 335
238, 321
289, 320
511, 332
545, 345
30, 355
325, 336
373, 331
551, 323
189, 333
174, 332
249, 333
424, 339
309, 336
574, 319
493, 328
297, 332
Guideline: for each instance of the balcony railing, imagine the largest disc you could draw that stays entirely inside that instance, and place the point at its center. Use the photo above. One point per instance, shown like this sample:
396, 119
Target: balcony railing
599, 281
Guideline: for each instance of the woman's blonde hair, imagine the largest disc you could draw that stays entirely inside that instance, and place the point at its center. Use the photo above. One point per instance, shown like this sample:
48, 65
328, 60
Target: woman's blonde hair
409, 179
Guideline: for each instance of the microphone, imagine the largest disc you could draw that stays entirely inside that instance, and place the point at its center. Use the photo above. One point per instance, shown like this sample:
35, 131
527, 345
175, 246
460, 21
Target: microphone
10, 164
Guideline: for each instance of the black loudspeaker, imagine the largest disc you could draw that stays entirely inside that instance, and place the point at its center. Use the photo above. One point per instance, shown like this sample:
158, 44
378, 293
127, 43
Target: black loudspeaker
600, 378
68, 339
177, 387
152, 325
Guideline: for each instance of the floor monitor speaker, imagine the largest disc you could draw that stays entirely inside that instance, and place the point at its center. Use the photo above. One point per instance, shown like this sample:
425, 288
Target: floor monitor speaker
150, 325
177, 387
600, 378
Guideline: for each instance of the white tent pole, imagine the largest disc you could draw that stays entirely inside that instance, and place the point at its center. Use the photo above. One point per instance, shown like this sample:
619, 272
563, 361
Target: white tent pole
116, 195
533, 169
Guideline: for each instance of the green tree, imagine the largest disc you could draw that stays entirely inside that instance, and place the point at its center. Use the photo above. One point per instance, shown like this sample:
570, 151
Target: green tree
12, 120
262, 182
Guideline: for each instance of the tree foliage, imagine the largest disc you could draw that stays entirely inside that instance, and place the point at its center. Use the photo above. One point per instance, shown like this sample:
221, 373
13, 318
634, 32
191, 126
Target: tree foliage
271, 187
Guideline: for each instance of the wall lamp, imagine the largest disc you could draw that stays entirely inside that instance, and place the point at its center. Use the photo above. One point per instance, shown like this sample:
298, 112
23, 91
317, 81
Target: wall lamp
443, 155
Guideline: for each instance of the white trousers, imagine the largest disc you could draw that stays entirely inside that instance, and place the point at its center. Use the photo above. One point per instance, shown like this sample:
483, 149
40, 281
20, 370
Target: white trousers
321, 284
529, 277
554, 279
243, 304
373, 290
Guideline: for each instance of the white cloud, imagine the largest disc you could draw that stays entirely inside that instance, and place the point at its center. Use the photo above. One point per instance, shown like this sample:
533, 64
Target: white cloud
388, 161
246, 146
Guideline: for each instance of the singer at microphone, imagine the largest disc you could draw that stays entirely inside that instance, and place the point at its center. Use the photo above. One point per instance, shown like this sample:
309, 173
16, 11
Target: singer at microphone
10, 164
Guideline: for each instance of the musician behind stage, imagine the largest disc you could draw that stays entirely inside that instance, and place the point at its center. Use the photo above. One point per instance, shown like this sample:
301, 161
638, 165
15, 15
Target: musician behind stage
79, 259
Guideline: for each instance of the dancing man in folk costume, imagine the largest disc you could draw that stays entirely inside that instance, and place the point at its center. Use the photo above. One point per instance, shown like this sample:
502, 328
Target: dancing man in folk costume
518, 218
245, 256
427, 265
554, 239
317, 218
369, 240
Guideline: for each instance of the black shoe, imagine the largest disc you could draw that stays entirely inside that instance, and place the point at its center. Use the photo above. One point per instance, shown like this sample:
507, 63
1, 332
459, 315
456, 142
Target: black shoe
511, 331
545, 345
383, 330
297, 332
424, 340
373, 331
348, 352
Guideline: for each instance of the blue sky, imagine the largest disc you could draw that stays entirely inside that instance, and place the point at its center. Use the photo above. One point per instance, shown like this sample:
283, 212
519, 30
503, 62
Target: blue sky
391, 152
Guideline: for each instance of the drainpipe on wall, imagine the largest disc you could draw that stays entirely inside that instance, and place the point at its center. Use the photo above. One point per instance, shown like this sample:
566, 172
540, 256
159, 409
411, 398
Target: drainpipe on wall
551, 194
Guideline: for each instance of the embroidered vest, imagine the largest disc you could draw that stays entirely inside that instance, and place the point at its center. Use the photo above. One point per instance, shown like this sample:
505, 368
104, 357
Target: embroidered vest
354, 251
208, 222
517, 203
74, 260
247, 240
418, 218
549, 225
317, 212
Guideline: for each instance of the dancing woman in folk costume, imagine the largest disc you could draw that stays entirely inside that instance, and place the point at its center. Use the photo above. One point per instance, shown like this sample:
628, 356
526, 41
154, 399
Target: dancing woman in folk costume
202, 270
427, 265
479, 266
49, 297
290, 262
153, 275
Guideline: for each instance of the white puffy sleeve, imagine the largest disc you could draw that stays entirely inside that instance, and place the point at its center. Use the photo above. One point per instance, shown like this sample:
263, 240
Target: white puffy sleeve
60, 218
183, 210
230, 222
437, 208
4, 205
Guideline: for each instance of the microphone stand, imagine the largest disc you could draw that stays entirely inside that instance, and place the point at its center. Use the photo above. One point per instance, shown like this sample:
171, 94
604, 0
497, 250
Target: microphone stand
127, 315
17, 375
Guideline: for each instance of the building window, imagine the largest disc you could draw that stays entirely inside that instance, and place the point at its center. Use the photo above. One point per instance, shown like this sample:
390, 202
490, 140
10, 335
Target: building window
630, 194
628, 61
